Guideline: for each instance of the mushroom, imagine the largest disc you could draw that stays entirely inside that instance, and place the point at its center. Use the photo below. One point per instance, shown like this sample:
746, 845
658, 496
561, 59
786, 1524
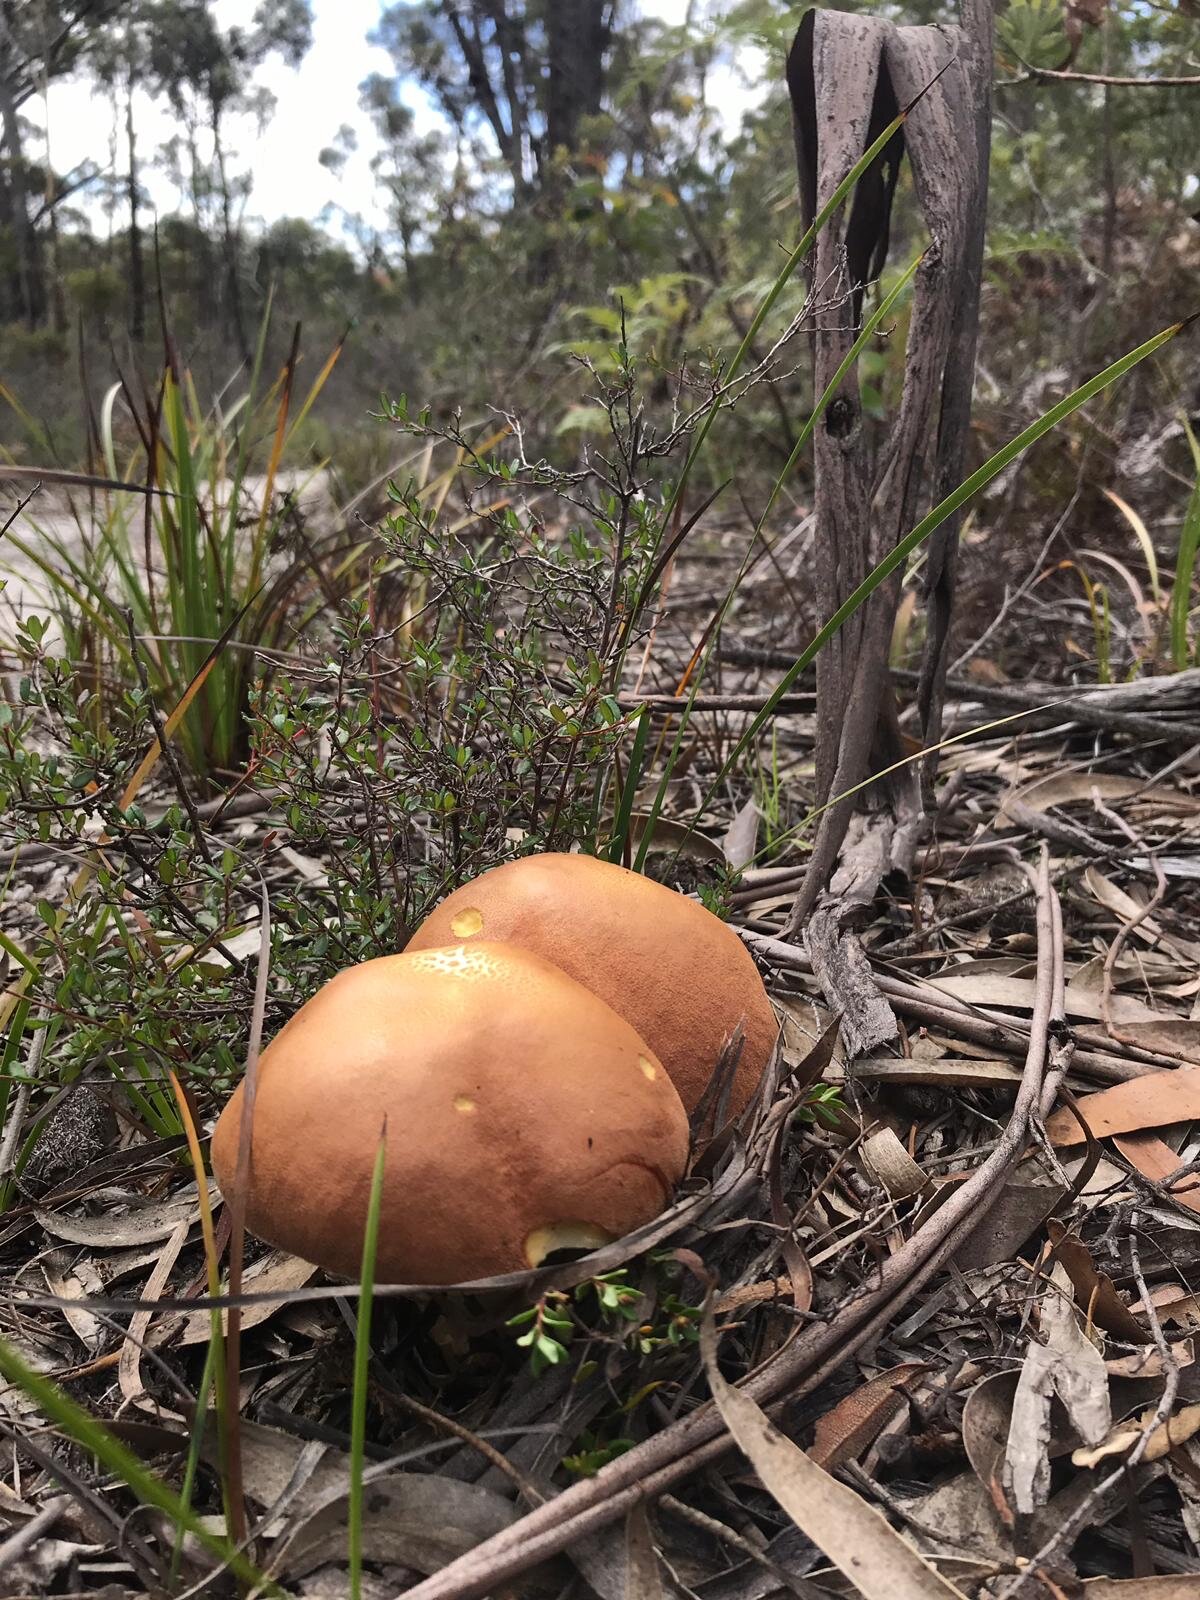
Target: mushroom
676, 973
524, 1117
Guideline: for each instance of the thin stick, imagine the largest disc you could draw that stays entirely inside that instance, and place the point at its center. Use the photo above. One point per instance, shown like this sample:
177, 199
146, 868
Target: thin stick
164, 740
14, 1122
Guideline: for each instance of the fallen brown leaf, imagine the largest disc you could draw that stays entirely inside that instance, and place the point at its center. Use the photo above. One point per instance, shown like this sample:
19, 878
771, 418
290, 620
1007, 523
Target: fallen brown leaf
1067, 1367
643, 1578
275, 1271
1168, 1436
889, 1162
856, 1420
1148, 1362
1154, 1159
1025, 1202
1095, 1293
139, 1225
1151, 1101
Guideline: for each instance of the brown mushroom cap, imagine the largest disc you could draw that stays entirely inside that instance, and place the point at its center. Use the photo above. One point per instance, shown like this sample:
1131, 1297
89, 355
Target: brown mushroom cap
523, 1116
676, 973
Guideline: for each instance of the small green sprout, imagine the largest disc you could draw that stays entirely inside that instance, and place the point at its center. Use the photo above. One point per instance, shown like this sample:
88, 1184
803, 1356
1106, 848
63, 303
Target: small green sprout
823, 1104
549, 1330
594, 1454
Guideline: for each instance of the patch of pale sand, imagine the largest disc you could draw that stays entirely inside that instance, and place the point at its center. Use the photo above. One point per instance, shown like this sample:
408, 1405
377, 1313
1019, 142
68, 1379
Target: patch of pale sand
55, 520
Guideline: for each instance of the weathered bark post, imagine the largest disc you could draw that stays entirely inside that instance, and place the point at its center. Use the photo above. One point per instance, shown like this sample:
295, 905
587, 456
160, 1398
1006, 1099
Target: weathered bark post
847, 77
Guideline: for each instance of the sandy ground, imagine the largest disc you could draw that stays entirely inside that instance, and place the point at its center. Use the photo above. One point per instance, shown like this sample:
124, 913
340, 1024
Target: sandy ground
57, 519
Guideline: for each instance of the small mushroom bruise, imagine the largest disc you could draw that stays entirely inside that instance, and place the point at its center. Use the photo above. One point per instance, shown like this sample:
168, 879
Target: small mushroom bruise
524, 1116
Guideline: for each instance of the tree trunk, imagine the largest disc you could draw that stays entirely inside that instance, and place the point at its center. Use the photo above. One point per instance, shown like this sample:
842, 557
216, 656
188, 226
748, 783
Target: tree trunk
482, 87
229, 244
9, 296
577, 36
27, 290
58, 302
847, 75
202, 274
958, 383
137, 270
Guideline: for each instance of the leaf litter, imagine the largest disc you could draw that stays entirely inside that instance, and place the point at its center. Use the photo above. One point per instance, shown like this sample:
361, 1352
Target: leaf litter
911, 1396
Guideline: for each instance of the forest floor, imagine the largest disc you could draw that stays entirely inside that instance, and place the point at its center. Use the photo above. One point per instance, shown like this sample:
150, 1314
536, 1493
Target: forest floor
963, 1287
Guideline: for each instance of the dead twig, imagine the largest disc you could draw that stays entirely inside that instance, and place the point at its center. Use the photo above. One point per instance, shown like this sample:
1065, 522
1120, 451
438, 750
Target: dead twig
1118, 944
14, 1120
25, 1538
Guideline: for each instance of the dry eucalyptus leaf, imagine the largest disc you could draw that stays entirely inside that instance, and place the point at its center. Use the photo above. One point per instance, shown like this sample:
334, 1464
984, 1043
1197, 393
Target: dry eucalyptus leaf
412, 1519
332, 1582
1173, 1303
1151, 1101
986, 1419
859, 1541
890, 1162
962, 1073
279, 1270
1067, 1366
141, 1225
643, 1579
740, 841
1095, 1292
965, 1518
1017, 994
1068, 788
129, 1370
1154, 1159
804, 1024
273, 1461
1148, 1362
67, 1285
1024, 1203
674, 837
1168, 1436
1168, 1036
1122, 905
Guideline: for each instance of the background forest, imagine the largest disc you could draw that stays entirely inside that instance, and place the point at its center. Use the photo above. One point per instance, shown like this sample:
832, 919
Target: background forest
537, 167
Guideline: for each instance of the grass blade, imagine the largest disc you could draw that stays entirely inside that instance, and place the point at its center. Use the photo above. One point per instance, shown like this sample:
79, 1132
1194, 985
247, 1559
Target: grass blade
1142, 534
633, 776
119, 1460
362, 1364
1185, 563
235, 1514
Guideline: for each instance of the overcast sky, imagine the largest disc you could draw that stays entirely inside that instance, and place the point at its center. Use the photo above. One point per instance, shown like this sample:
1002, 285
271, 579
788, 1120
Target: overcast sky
312, 103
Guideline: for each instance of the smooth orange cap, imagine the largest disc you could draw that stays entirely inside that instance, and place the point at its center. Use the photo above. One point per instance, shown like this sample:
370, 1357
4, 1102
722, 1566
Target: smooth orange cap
523, 1115
676, 973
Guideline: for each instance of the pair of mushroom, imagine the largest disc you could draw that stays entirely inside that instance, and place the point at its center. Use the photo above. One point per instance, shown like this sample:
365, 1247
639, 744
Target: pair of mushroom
535, 1051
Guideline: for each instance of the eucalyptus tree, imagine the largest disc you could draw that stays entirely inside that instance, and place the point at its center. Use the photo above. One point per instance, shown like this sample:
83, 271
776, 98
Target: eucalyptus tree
208, 75
40, 40
531, 71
